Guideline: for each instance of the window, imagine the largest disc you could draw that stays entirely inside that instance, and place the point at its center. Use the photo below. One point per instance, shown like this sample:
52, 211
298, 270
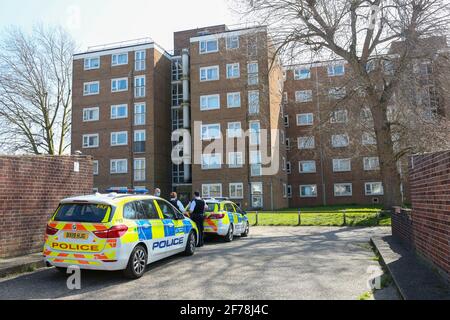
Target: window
119, 166
340, 140
302, 74
139, 141
90, 141
233, 42
371, 163
303, 96
234, 130
255, 133
139, 60
305, 119
374, 189
308, 191
256, 163
139, 87
343, 190
211, 131
234, 100
283, 164
289, 191
118, 85
119, 59
211, 161
339, 116
366, 114
235, 160
212, 190
95, 167
91, 88
285, 190
288, 167
139, 114
91, 114
177, 94
91, 63
257, 195
236, 191
306, 142
288, 144
286, 121
253, 102
209, 46
209, 73
149, 210
119, 112
253, 73
139, 170
368, 139
337, 93
233, 71
307, 166
211, 102
342, 165
285, 98
119, 138
336, 70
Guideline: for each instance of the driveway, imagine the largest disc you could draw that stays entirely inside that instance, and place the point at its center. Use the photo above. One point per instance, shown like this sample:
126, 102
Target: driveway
273, 263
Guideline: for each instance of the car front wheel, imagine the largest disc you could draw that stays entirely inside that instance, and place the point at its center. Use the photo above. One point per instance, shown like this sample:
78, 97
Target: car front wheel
137, 263
191, 244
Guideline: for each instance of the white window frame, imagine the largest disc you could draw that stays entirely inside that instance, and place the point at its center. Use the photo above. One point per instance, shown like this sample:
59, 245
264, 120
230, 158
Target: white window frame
205, 69
140, 115
206, 98
208, 136
138, 133
233, 67
255, 165
289, 191
114, 136
257, 196
303, 96
309, 118
371, 193
338, 165
253, 77
313, 186
337, 93
231, 39
286, 121
88, 63
117, 80
298, 75
88, 136
368, 161
116, 161
254, 109
87, 111
331, 69
211, 156
95, 168
209, 186
117, 55
301, 166
139, 91
233, 131
306, 142
336, 194
235, 160
116, 107
255, 133
89, 93
238, 190
204, 50
140, 61
231, 96
140, 174
335, 116
334, 139
368, 139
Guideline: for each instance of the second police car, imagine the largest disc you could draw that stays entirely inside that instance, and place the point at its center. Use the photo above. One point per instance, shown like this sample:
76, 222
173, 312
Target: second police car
117, 232
226, 219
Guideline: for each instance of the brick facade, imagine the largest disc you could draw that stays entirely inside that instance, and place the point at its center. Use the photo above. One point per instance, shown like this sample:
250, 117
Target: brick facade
429, 229
30, 190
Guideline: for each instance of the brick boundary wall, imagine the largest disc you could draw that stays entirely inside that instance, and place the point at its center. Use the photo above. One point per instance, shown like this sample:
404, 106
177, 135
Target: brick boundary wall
30, 190
430, 217
402, 226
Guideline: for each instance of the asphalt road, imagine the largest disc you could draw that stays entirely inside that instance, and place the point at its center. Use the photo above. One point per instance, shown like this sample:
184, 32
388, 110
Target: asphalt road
273, 263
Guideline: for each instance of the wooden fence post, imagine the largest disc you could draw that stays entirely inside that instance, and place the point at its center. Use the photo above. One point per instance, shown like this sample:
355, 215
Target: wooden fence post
345, 218
299, 218
256, 224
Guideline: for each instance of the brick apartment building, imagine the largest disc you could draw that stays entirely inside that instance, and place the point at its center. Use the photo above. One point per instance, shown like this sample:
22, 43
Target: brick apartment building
218, 84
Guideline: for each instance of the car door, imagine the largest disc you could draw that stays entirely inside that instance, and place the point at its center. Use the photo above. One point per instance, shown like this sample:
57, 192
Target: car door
173, 227
241, 218
231, 214
152, 227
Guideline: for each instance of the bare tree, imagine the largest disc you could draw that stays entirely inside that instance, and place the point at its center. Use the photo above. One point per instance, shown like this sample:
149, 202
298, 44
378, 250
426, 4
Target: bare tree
35, 90
360, 32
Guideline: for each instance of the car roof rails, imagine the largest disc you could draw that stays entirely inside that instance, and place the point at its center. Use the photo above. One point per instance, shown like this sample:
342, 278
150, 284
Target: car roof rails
127, 191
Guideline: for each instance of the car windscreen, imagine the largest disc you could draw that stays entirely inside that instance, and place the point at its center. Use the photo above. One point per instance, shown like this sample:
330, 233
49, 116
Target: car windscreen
86, 212
211, 207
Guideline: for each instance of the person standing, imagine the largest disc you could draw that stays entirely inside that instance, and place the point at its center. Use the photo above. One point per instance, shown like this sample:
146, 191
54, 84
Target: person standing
177, 203
197, 212
157, 192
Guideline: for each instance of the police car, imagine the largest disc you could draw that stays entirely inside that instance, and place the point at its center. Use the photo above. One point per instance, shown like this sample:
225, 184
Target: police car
226, 219
117, 232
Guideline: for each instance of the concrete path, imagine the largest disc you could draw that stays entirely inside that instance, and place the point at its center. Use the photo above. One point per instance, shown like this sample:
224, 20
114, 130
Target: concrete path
273, 263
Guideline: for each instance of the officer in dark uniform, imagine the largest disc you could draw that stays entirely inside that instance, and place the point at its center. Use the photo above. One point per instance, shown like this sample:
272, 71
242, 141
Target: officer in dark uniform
197, 213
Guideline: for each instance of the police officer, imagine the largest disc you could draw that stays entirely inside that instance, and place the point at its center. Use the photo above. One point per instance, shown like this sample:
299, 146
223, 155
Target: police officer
176, 203
197, 213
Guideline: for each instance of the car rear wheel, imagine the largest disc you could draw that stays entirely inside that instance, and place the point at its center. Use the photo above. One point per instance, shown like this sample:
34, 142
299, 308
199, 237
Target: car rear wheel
137, 263
191, 245
230, 235
62, 270
247, 231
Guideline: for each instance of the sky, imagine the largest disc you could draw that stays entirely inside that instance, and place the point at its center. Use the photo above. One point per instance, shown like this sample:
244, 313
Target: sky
97, 22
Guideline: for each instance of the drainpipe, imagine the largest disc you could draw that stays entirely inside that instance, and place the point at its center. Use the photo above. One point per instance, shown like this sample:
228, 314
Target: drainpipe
186, 117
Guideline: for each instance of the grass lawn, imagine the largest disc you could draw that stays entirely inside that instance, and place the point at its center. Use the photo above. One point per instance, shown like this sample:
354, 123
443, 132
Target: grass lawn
323, 216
